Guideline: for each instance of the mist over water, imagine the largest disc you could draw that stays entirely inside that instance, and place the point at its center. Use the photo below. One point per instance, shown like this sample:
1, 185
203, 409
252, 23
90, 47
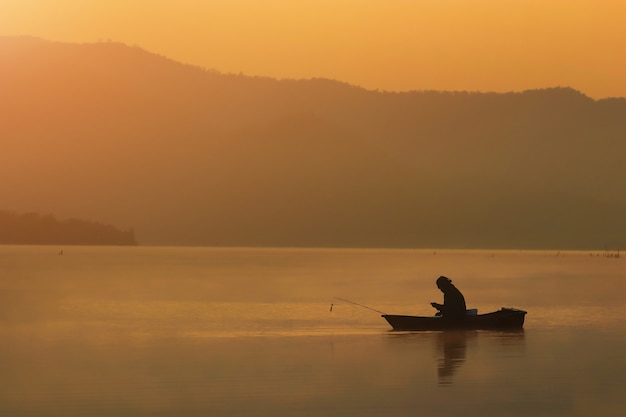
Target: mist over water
139, 331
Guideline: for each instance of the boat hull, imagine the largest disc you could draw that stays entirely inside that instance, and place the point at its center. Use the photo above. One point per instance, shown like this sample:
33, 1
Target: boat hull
503, 319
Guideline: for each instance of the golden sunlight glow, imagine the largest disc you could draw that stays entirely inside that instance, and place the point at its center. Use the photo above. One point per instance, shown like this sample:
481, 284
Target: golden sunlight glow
486, 45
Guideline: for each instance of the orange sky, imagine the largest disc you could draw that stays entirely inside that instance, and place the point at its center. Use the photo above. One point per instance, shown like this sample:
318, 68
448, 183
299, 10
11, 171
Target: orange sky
486, 45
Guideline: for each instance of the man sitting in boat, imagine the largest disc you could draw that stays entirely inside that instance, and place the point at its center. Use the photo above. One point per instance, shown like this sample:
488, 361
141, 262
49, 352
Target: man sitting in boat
453, 306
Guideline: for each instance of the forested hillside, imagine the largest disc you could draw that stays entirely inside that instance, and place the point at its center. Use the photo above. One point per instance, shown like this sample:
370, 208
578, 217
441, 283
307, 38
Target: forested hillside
191, 156
37, 229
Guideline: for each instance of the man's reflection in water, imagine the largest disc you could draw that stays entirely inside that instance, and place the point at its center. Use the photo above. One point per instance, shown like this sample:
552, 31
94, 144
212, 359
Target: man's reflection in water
453, 346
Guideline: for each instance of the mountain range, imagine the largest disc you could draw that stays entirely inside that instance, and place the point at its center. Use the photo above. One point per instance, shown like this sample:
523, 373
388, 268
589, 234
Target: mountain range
190, 156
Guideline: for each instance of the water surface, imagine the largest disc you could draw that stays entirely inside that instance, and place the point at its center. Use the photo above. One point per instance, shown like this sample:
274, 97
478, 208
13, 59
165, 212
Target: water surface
108, 331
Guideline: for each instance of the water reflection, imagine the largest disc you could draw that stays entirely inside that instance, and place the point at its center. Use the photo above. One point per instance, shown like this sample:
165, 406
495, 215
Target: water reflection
452, 348
459, 354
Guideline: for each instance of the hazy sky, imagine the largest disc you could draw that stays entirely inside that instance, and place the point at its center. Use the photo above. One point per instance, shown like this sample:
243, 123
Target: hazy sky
486, 45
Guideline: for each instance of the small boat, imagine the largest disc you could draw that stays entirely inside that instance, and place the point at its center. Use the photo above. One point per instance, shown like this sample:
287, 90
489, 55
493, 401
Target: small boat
503, 319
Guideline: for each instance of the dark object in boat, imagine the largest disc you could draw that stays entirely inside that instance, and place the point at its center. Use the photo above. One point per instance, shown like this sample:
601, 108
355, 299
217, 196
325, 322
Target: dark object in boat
505, 318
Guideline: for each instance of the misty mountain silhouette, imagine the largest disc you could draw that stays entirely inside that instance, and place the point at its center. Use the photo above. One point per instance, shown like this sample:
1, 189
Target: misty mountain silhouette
37, 229
191, 156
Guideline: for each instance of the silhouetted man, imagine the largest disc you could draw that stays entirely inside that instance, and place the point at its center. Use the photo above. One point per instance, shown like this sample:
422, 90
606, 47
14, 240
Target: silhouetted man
453, 306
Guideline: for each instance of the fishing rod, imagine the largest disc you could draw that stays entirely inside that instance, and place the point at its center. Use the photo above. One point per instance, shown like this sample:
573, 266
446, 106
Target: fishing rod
357, 304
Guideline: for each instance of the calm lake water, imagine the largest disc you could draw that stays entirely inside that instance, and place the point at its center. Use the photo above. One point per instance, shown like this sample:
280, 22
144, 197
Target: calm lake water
153, 331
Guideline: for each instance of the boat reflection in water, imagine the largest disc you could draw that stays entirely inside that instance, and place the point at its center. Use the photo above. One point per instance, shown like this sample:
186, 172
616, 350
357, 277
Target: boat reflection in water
458, 356
486, 346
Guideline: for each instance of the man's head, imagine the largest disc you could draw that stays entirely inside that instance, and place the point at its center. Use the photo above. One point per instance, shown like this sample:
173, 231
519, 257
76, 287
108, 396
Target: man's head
443, 283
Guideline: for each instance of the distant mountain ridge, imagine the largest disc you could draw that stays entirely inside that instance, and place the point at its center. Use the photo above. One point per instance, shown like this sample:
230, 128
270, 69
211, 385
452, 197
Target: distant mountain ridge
37, 229
189, 156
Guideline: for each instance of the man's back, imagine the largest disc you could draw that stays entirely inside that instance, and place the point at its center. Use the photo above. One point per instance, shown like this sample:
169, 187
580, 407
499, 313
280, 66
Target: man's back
453, 303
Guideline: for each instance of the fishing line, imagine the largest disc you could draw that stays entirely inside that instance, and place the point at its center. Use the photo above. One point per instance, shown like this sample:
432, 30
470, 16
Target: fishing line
360, 305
